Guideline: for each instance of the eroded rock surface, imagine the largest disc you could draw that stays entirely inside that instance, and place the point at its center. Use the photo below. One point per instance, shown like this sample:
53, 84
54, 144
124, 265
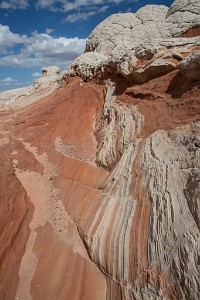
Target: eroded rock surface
113, 45
101, 177
50, 80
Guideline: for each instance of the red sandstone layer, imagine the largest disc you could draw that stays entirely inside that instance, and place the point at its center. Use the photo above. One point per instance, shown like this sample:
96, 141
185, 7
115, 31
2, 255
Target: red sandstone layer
62, 229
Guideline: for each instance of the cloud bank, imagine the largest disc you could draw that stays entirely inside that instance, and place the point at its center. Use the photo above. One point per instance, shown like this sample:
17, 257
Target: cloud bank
14, 4
73, 11
37, 49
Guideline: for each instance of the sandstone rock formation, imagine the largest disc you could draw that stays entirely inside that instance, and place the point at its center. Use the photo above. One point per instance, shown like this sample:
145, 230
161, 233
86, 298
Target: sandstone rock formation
113, 44
51, 71
101, 177
51, 79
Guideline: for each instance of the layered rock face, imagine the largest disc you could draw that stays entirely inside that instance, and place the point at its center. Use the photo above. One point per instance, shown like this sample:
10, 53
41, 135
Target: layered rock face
101, 177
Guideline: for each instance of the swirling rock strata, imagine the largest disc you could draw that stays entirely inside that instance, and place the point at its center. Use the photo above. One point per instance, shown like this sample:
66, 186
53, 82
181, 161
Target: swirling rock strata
100, 178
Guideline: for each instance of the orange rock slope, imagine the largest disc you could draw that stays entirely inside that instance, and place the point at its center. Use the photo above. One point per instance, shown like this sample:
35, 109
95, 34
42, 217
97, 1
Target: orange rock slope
85, 209
47, 154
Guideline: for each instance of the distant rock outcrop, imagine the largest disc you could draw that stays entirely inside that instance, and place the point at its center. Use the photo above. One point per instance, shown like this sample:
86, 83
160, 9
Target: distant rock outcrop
51, 71
51, 79
100, 178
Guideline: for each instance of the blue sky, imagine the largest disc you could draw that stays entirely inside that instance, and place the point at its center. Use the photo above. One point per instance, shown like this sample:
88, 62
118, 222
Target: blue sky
34, 34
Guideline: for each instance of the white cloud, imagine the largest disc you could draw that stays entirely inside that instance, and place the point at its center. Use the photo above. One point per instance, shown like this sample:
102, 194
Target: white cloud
72, 18
9, 83
79, 16
38, 49
103, 8
45, 47
79, 10
14, 4
66, 6
61, 5
9, 39
7, 80
36, 75
49, 30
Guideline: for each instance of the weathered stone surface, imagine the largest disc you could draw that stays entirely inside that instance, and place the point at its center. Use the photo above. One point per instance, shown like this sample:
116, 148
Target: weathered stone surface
126, 31
90, 65
125, 38
41, 248
130, 231
101, 178
190, 67
51, 79
183, 14
51, 71
158, 67
173, 239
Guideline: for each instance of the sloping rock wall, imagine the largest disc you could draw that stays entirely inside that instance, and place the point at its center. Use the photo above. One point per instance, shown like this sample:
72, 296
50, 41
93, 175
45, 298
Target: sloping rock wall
100, 178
